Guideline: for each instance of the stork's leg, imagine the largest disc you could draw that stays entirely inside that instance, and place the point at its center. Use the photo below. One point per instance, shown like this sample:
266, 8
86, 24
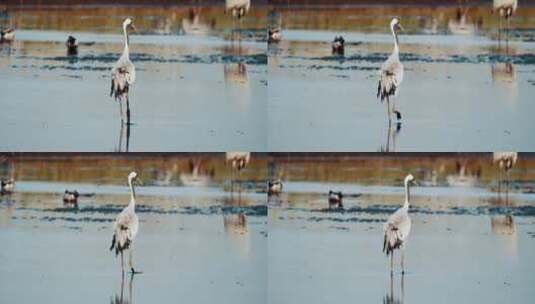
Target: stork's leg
131, 261
388, 106
499, 29
395, 110
500, 182
127, 137
127, 111
120, 147
391, 262
388, 135
130, 287
391, 285
508, 19
402, 289
231, 180
402, 260
122, 287
506, 186
121, 109
240, 184
122, 263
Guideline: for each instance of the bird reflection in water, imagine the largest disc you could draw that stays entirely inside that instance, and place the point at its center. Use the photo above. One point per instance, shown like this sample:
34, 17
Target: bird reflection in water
503, 74
503, 225
192, 25
120, 298
464, 176
235, 224
390, 297
460, 24
235, 71
197, 176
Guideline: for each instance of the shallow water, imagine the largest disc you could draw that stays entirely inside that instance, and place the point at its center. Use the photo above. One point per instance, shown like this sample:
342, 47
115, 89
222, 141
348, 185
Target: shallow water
199, 85
472, 88
463, 248
201, 239
201, 243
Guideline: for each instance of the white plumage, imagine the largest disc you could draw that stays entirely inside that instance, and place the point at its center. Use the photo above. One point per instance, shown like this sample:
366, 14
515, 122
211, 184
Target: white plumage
398, 228
391, 74
123, 74
126, 226
505, 160
238, 8
506, 8
239, 160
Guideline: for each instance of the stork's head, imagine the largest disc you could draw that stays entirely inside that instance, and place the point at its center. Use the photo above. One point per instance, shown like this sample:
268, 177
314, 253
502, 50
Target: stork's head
132, 177
128, 24
395, 25
409, 179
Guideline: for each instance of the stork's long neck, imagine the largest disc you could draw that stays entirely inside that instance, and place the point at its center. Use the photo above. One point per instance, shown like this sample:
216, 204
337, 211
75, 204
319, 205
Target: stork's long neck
126, 41
396, 42
132, 193
407, 195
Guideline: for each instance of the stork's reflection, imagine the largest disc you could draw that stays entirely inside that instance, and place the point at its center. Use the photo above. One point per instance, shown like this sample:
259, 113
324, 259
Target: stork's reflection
390, 297
120, 298
235, 225
504, 74
503, 225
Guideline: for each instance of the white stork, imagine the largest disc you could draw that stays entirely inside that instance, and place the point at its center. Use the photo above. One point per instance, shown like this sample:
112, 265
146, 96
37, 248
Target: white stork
398, 228
126, 226
391, 74
123, 74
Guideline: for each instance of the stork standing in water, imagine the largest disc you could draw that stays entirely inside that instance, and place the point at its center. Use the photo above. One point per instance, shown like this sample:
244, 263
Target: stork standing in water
238, 8
126, 227
391, 74
506, 9
506, 161
398, 228
123, 73
238, 161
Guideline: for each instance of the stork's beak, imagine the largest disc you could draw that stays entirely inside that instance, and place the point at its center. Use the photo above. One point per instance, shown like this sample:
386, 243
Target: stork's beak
133, 27
400, 27
139, 182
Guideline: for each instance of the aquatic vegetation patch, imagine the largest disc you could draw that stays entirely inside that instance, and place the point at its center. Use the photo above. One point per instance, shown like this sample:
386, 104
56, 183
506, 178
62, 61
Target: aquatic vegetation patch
110, 58
345, 220
386, 210
73, 219
521, 59
256, 210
